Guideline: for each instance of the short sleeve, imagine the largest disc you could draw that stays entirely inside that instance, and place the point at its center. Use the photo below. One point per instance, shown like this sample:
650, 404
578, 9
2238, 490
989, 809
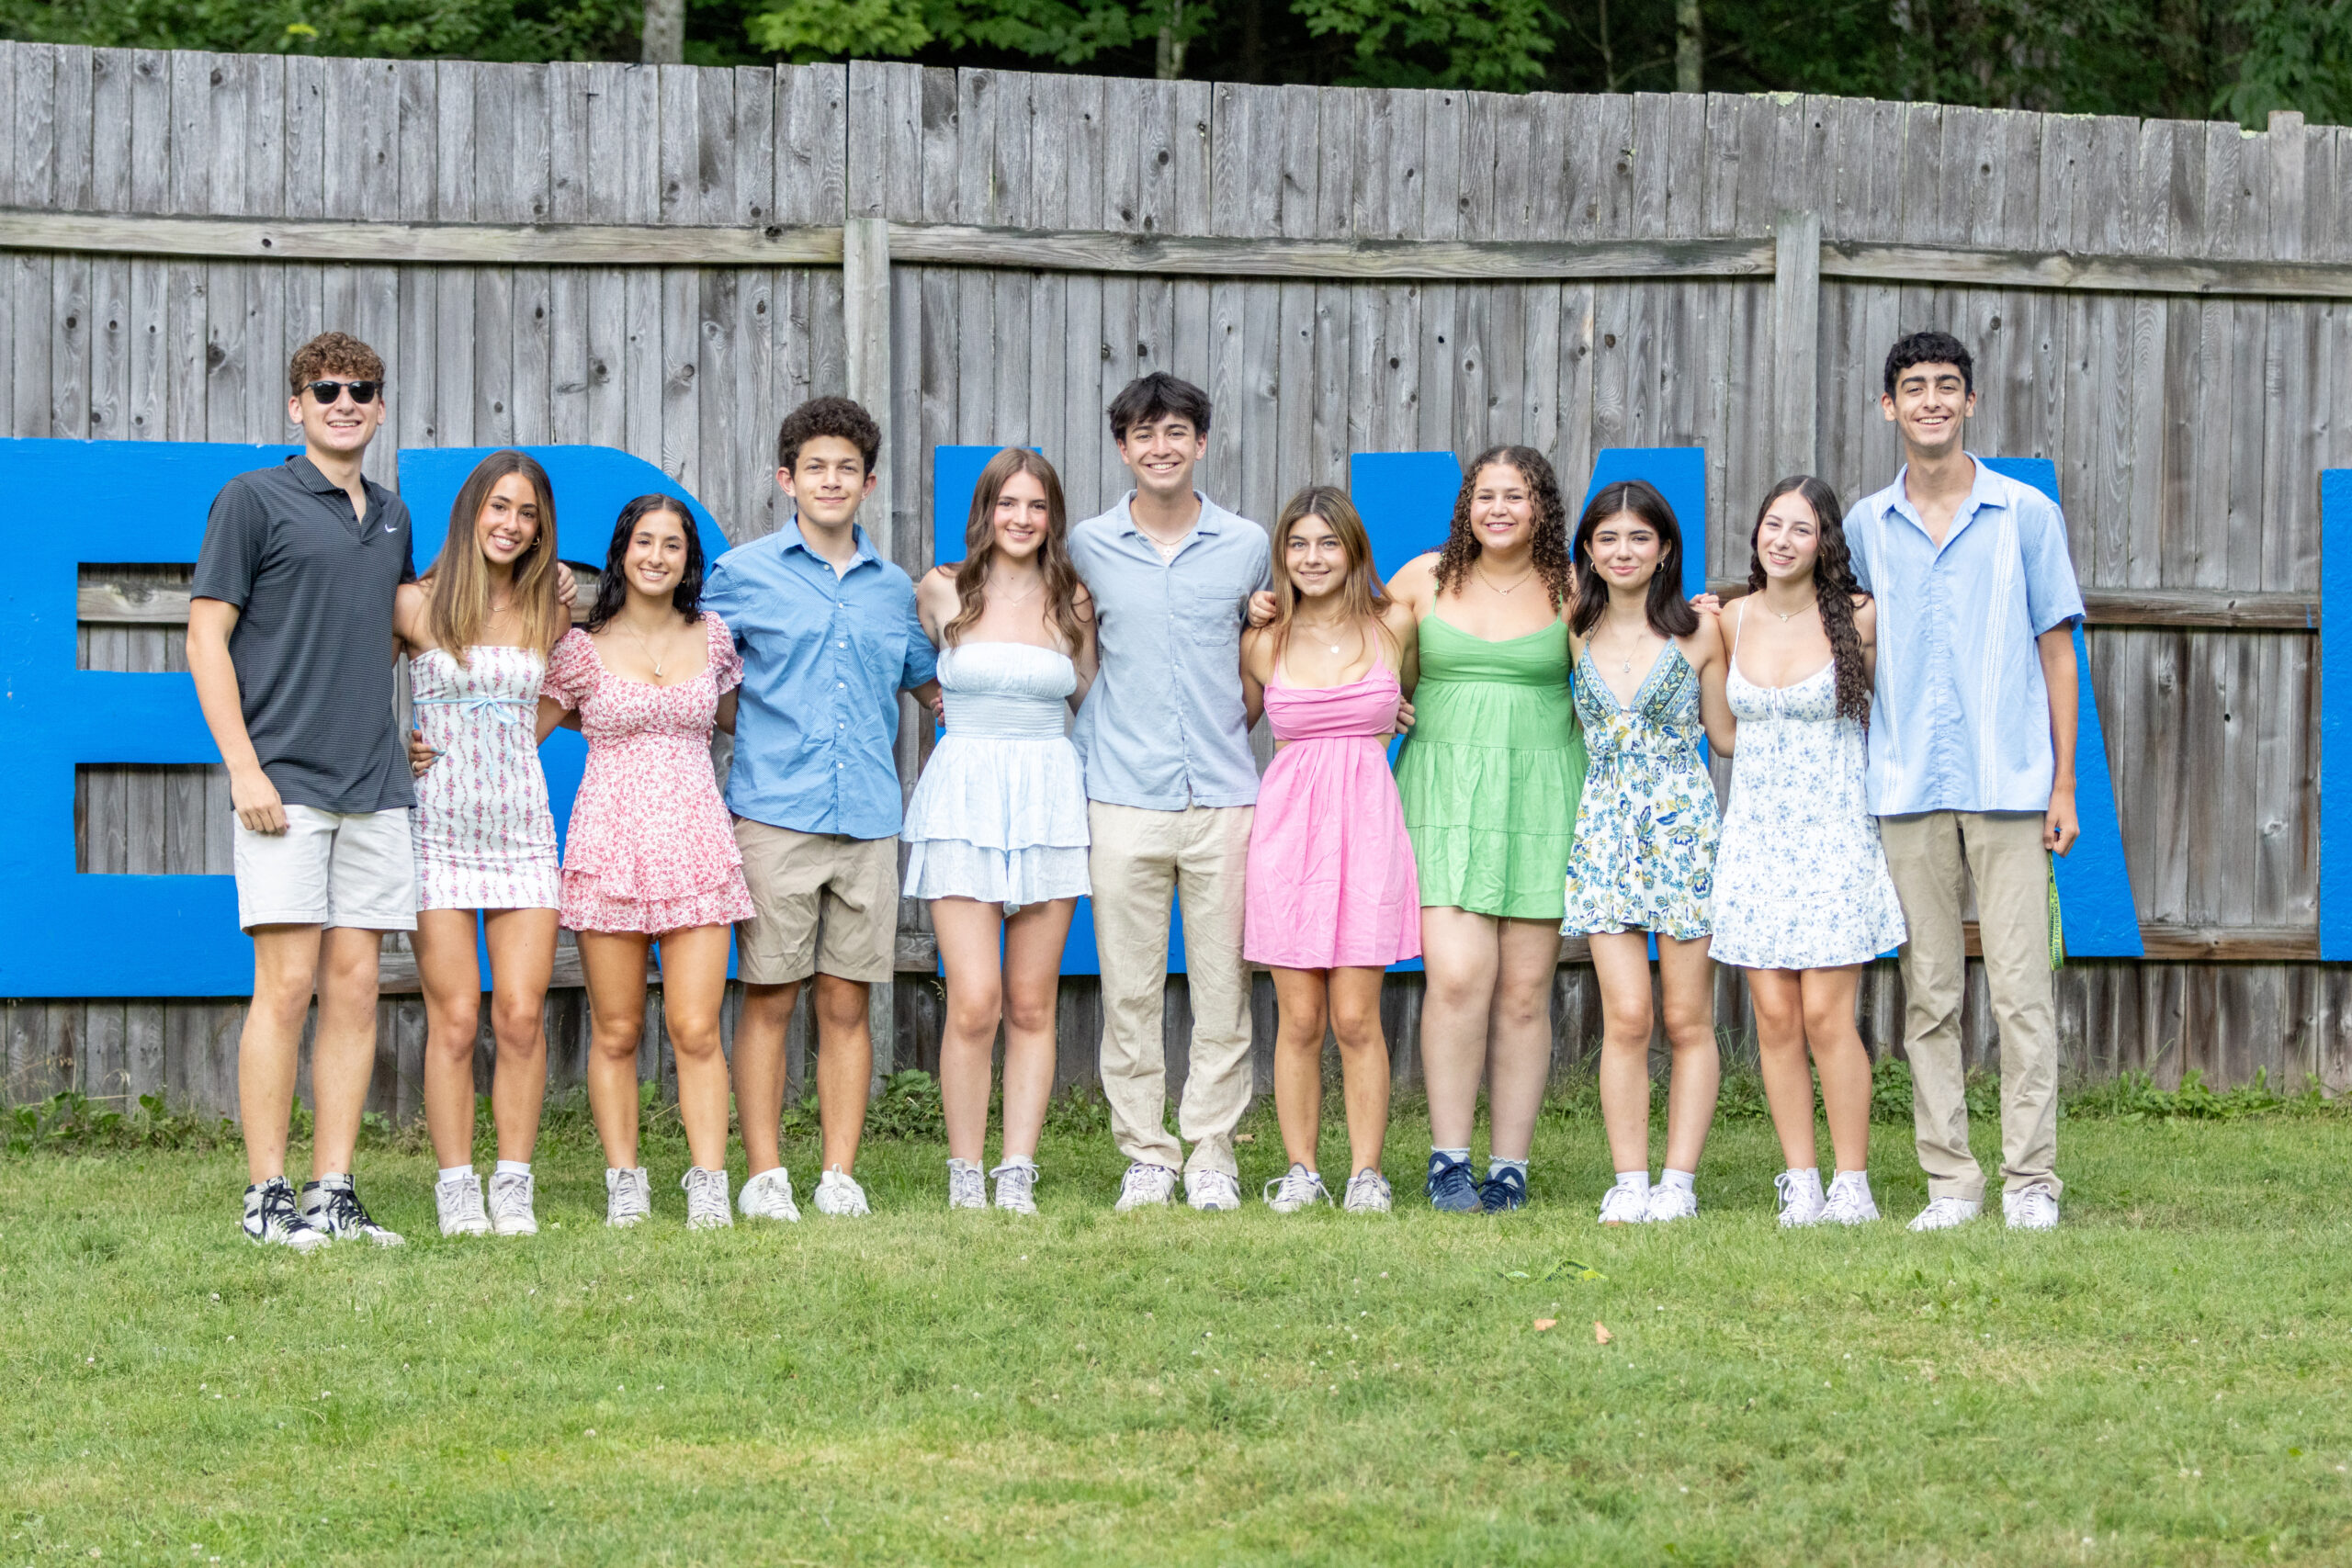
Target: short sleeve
726, 664
2052, 597
1858, 546
722, 593
236, 535
571, 670
408, 548
923, 659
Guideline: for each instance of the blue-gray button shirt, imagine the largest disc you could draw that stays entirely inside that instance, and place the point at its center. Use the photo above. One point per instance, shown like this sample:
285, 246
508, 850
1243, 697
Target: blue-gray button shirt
1163, 728
825, 658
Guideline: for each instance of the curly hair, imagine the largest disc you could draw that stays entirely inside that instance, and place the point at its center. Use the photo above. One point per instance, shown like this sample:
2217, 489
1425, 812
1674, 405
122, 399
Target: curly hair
1060, 574
1928, 348
1551, 556
331, 352
828, 416
1834, 588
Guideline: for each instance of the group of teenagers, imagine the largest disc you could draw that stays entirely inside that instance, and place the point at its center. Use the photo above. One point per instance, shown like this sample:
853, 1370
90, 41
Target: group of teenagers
1895, 692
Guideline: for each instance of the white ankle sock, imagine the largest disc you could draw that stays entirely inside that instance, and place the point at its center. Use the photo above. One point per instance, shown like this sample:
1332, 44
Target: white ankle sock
513, 1167
1681, 1179
1461, 1156
333, 1178
1639, 1180
1495, 1165
963, 1165
1025, 1160
453, 1172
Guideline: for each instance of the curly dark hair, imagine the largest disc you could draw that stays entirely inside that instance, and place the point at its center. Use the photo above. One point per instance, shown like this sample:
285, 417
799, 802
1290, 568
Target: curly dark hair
1833, 588
1551, 557
1670, 614
828, 416
1929, 348
329, 353
612, 587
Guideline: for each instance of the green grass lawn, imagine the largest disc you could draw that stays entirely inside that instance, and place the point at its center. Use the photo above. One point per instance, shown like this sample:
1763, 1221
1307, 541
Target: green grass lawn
2163, 1381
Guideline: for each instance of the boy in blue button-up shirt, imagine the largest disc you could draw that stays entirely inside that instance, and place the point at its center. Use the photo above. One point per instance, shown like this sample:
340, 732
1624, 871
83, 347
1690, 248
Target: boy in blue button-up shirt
829, 637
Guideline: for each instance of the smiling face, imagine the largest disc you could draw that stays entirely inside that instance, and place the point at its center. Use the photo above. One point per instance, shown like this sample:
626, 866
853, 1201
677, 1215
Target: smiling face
1788, 540
1930, 404
343, 427
1021, 518
1161, 453
827, 481
1314, 558
1502, 508
1625, 552
656, 559
508, 523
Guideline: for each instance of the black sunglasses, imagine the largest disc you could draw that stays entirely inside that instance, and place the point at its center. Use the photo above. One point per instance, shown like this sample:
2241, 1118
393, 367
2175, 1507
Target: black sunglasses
327, 392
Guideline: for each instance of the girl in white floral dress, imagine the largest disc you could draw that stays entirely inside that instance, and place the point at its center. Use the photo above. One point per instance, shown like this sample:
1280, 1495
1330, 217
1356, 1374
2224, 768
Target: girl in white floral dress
1803, 899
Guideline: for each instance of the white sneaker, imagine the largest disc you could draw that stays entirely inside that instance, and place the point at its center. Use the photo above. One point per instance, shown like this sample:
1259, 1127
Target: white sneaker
1669, 1204
629, 1196
2034, 1208
768, 1196
271, 1220
1625, 1206
1849, 1200
458, 1202
1800, 1201
1016, 1186
336, 1209
510, 1204
705, 1199
1144, 1184
839, 1194
1367, 1193
1212, 1192
1289, 1193
1944, 1214
968, 1187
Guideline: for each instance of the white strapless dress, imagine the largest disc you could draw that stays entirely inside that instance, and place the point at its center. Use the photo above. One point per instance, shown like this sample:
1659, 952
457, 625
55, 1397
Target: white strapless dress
1000, 812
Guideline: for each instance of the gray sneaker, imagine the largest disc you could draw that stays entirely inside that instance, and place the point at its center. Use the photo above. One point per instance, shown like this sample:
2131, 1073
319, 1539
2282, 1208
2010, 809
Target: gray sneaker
1367, 1193
510, 1204
335, 1207
629, 1196
1016, 1186
1298, 1188
458, 1204
967, 1185
1212, 1192
271, 1219
2034, 1208
705, 1199
1144, 1186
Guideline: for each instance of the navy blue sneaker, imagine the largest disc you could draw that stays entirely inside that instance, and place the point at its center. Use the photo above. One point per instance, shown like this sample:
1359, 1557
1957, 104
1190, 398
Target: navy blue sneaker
1504, 1190
1451, 1187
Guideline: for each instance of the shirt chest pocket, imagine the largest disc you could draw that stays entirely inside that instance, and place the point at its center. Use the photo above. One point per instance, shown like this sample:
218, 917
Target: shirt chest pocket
1209, 616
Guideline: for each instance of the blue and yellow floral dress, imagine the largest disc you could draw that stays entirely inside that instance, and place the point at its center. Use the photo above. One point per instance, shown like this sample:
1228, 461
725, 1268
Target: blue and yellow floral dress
1644, 852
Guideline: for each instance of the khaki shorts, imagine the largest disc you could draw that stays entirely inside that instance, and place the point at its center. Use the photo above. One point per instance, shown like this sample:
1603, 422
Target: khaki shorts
820, 902
328, 868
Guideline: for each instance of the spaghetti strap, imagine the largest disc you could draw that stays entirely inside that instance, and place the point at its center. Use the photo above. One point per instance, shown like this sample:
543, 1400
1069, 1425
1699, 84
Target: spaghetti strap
1738, 627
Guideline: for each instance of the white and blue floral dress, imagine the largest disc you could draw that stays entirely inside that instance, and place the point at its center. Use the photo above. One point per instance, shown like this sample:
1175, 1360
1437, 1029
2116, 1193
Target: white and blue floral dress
1644, 852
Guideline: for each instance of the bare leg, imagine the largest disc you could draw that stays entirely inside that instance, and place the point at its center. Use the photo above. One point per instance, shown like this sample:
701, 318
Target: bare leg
269, 1047
1299, 1019
845, 1067
613, 963
1843, 1060
342, 1052
759, 1073
1621, 963
1519, 1059
1363, 1063
1686, 981
694, 986
1032, 975
969, 934
522, 962
1461, 954
450, 972
1779, 999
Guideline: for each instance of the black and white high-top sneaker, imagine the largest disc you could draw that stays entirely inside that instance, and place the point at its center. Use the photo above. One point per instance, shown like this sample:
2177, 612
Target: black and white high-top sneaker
334, 1207
271, 1219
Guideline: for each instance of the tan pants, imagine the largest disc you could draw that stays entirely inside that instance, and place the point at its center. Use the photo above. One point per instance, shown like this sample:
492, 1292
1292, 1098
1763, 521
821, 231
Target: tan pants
1932, 856
1138, 859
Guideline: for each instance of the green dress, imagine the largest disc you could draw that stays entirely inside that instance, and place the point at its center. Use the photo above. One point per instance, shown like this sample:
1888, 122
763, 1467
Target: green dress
1492, 770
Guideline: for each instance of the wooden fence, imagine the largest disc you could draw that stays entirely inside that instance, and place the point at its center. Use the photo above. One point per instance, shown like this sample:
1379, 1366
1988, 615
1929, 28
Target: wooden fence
665, 259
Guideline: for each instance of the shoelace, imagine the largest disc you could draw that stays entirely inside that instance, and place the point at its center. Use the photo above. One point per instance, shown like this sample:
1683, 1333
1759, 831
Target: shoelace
706, 1195
1791, 1185
1451, 1179
1624, 1203
966, 1187
1014, 1180
510, 1196
1369, 1182
278, 1211
1144, 1183
631, 1197
341, 1209
1296, 1187
846, 1193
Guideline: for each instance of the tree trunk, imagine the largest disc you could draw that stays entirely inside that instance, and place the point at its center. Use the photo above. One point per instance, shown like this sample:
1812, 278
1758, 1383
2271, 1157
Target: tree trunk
1690, 48
1168, 62
665, 32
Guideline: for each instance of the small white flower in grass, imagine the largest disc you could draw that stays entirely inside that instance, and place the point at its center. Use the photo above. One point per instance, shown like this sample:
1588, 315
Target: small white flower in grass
591, 1432
659, 1387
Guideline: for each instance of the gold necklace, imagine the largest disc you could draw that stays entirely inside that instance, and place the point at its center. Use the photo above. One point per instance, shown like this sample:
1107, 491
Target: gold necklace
1487, 577
1300, 625
1024, 598
647, 648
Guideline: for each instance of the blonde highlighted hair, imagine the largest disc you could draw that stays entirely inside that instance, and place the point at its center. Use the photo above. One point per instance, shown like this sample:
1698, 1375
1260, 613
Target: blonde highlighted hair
1361, 597
457, 604
979, 549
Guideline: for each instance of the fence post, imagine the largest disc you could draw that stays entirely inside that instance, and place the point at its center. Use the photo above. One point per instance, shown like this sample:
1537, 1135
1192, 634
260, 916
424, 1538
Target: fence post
865, 320
1796, 343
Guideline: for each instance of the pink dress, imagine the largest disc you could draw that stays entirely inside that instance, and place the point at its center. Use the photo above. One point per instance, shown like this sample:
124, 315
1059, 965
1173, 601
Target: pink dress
1331, 883
650, 848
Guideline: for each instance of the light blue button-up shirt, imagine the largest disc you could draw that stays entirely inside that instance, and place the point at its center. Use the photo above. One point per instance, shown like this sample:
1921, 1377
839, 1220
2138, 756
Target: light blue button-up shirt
1163, 727
825, 656
1959, 716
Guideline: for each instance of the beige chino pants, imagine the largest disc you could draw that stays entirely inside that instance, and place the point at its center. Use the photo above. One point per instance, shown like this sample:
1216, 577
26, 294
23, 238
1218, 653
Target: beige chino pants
1932, 856
1140, 858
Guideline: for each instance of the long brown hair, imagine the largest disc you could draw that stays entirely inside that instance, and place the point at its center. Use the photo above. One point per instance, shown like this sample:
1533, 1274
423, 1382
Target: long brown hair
458, 596
1833, 588
1668, 612
979, 549
1361, 596
1551, 557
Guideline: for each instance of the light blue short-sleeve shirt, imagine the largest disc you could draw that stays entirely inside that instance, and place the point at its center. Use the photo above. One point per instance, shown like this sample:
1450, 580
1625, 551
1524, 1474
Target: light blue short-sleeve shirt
1960, 716
1163, 726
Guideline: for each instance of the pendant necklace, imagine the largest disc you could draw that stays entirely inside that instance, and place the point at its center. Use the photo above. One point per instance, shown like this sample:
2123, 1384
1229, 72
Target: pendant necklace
1024, 598
1499, 588
647, 648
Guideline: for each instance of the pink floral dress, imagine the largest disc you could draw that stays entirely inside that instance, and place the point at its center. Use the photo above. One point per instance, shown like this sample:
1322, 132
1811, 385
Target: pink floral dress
650, 848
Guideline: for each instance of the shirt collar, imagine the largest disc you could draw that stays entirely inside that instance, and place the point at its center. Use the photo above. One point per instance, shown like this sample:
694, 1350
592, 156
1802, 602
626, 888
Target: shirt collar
1986, 489
306, 474
794, 539
1210, 520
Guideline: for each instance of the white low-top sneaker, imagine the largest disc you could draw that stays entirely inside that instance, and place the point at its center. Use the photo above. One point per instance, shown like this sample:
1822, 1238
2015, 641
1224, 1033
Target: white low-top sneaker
1625, 1206
457, 1203
968, 1187
1368, 1193
705, 1199
1801, 1199
271, 1219
511, 1194
768, 1196
839, 1195
1212, 1192
1144, 1185
2034, 1208
1849, 1200
1289, 1193
1670, 1204
1016, 1186
629, 1196
1945, 1213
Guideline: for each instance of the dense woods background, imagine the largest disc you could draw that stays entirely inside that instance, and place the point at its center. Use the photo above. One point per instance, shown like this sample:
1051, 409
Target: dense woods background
2174, 59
